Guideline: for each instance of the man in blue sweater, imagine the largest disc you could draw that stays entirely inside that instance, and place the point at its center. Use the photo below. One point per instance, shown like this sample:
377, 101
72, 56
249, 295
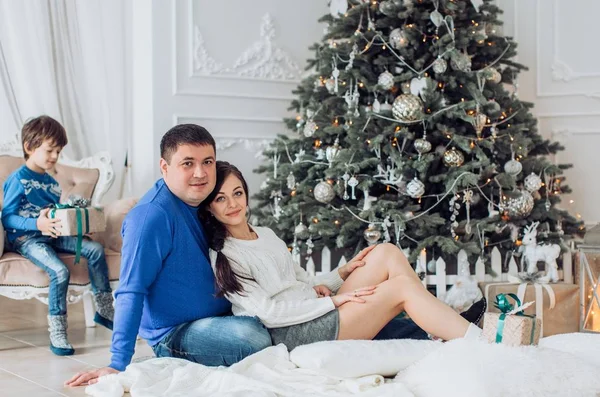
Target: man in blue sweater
167, 288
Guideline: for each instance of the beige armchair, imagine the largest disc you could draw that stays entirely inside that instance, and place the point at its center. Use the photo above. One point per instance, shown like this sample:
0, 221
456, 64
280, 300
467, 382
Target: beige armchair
90, 178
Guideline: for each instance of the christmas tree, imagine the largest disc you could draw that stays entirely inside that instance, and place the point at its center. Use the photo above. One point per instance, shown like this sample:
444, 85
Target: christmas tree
411, 131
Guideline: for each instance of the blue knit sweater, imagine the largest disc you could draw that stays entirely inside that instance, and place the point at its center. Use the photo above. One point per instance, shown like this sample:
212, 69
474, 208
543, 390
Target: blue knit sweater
26, 193
166, 278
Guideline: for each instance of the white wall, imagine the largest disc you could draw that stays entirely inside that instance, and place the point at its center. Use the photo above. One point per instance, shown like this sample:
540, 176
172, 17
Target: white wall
195, 48
556, 41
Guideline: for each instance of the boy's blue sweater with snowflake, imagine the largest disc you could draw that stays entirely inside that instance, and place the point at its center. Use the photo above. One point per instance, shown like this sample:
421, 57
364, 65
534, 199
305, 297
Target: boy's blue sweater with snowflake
26, 193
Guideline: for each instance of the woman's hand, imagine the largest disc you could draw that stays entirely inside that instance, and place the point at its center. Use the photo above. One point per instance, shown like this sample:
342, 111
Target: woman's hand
354, 296
357, 261
322, 290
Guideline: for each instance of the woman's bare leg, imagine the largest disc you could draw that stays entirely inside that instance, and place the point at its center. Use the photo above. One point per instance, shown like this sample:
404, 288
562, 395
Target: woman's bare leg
365, 320
384, 262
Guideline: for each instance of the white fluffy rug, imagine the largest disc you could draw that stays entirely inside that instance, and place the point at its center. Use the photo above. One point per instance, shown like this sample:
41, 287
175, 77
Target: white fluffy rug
563, 365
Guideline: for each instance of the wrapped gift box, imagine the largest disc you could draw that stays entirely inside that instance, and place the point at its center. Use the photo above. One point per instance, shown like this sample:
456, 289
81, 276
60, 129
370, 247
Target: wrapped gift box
562, 319
517, 331
92, 220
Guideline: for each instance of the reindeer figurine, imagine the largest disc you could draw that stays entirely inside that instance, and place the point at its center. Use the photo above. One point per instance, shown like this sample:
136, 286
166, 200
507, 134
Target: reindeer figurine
534, 253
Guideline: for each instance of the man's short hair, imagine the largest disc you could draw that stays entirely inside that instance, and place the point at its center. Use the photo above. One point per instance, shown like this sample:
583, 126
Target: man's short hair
39, 129
184, 134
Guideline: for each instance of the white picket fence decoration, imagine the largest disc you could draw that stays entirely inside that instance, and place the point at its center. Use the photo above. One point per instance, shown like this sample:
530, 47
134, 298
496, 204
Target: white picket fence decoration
441, 280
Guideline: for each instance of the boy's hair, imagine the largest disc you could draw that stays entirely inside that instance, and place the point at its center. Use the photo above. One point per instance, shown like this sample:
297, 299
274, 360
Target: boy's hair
184, 134
39, 129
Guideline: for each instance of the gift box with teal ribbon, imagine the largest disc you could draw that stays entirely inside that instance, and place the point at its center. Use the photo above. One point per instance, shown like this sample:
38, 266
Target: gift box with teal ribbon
511, 326
77, 218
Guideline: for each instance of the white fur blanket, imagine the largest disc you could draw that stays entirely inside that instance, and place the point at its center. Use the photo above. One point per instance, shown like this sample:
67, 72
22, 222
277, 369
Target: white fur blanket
563, 365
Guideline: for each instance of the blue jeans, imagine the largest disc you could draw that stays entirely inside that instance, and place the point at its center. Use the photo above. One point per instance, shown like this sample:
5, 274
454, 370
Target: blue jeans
215, 341
41, 251
401, 328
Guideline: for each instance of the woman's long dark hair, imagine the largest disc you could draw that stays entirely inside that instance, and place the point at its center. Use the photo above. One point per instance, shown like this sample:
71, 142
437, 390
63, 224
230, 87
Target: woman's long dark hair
228, 281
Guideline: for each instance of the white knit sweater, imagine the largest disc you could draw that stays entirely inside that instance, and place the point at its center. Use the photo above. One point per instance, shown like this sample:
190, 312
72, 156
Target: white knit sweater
282, 294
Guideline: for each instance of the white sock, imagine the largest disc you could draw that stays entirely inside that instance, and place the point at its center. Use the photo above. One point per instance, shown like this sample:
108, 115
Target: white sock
473, 332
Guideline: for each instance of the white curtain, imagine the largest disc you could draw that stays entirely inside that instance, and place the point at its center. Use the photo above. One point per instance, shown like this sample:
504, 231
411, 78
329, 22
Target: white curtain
68, 59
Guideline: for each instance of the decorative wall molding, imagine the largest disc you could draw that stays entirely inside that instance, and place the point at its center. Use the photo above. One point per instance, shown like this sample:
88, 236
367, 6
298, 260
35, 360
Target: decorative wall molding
178, 118
561, 71
562, 134
264, 59
251, 144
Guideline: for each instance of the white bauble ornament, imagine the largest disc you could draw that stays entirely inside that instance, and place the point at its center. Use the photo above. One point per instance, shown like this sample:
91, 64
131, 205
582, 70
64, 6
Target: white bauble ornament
372, 234
533, 182
398, 39
324, 192
301, 231
415, 188
453, 158
461, 62
309, 128
386, 107
513, 167
386, 80
440, 66
407, 108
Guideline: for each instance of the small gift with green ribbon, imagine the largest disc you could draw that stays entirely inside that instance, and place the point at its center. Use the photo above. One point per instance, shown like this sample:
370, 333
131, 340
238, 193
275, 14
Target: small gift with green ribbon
511, 326
77, 218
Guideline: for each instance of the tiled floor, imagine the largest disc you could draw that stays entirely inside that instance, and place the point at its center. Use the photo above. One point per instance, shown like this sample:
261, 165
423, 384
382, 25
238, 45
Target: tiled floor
28, 368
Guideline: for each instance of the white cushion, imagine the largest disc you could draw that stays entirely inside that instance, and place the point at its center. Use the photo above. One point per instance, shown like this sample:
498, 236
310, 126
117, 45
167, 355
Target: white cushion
583, 345
356, 358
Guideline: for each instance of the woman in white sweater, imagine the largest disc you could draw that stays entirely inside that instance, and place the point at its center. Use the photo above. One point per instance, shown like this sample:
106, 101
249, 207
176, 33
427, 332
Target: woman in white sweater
255, 271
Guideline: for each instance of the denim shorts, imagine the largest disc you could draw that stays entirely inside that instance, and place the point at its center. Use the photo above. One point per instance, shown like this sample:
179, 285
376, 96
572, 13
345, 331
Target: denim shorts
324, 328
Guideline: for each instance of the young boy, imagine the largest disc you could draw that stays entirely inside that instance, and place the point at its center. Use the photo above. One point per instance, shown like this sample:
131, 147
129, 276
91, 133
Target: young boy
27, 194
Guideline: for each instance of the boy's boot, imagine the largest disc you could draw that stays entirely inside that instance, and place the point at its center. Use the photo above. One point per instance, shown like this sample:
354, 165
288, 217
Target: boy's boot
105, 311
59, 344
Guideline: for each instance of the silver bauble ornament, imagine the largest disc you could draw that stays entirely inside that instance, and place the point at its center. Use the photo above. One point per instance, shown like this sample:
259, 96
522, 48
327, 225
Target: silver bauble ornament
493, 75
372, 234
415, 188
513, 167
386, 80
407, 108
461, 62
422, 146
453, 158
398, 39
324, 192
440, 66
301, 231
309, 128
479, 122
518, 206
387, 8
533, 182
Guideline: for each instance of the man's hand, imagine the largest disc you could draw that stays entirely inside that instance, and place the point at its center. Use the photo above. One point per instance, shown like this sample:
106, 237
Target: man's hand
357, 261
322, 290
48, 226
354, 296
89, 377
